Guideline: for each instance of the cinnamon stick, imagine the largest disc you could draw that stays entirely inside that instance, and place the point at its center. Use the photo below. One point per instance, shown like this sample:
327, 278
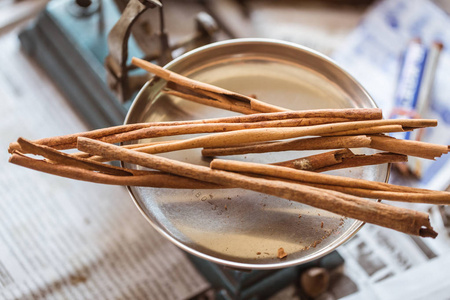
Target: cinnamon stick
439, 198
340, 159
403, 220
216, 93
387, 195
145, 178
160, 131
317, 161
316, 178
205, 100
365, 160
371, 130
317, 143
266, 134
63, 158
408, 147
69, 141
355, 114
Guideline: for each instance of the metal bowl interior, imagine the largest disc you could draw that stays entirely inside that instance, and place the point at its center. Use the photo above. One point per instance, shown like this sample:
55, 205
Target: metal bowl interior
234, 227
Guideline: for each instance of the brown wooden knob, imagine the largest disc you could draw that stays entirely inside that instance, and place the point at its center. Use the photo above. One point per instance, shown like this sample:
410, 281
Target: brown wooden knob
314, 281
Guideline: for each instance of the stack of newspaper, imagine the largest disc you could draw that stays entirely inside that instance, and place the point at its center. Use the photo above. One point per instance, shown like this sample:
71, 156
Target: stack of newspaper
383, 264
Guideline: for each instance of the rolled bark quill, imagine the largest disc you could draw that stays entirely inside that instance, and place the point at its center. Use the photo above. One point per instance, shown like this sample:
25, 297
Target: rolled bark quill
238, 137
143, 178
317, 161
400, 219
159, 131
379, 142
365, 160
408, 147
69, 141
63, 158
372, 130
236, 106
306, 177
81, 171
340, 159
211, 91
316, 143
387, 195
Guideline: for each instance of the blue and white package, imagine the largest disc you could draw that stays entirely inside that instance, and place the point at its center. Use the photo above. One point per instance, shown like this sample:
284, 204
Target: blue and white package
409, 85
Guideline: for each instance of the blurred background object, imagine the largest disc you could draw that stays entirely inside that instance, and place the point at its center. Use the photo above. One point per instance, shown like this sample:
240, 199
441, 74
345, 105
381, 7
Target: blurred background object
14, 13
70, 40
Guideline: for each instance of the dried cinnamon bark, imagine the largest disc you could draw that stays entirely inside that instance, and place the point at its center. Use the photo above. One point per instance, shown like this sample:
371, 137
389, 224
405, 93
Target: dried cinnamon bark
158, 131
209, 91
428, 196
235, 106
371, 130
238, 137
317, 143
340, 159
63, 158
408, 147
69, 141
396, 218
143, 178
366, 160
317, 161
388, 195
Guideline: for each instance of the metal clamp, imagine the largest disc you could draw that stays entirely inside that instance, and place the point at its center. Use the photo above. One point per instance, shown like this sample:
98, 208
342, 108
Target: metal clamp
155, 45
116, 62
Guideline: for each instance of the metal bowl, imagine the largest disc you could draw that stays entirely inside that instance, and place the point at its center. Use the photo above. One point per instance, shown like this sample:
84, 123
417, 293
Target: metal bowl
234, 227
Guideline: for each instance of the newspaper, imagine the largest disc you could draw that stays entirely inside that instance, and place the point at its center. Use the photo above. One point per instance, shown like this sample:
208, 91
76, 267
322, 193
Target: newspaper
373, 55
388, 265
66, 239
381, 263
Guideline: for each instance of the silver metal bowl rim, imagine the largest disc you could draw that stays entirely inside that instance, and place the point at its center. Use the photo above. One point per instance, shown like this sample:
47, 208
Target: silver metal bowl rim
238, 265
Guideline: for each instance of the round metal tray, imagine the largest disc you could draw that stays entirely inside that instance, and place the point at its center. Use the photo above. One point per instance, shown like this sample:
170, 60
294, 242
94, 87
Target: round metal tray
234, 227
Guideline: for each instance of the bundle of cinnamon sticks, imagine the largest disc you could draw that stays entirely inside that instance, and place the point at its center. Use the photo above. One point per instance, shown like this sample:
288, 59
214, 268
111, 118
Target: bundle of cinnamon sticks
264, 128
